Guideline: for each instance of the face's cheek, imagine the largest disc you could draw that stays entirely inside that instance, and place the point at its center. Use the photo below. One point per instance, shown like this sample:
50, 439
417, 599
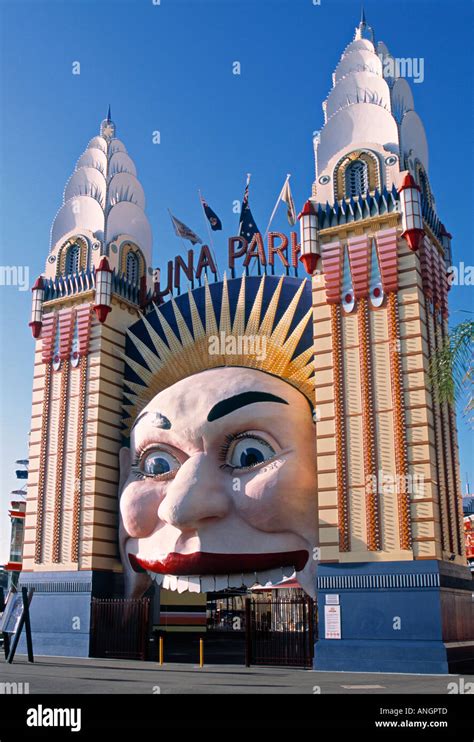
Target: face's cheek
139, 507
280, 496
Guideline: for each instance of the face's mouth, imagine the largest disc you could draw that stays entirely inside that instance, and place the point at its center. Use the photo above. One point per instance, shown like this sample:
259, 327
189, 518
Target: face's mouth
203, 572
208, 563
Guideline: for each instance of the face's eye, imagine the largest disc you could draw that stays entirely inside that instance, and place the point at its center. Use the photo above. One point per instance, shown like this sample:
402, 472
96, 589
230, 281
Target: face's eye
249, 451
158, 462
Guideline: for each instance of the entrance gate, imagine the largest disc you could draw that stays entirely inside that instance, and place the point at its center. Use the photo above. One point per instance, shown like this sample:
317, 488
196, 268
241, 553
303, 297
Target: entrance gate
120, 628
280, 630
277, 626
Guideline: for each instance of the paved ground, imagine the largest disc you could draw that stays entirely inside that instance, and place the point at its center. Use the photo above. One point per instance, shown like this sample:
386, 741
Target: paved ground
73, 675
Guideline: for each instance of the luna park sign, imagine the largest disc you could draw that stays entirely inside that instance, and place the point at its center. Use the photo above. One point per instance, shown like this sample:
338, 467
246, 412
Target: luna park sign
277, 250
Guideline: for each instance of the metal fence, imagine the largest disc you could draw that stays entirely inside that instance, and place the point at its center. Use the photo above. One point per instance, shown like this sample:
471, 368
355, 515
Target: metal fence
120, 628
280, 631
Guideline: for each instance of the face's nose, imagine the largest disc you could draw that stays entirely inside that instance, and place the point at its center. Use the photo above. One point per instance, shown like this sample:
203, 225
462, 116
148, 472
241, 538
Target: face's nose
197, 492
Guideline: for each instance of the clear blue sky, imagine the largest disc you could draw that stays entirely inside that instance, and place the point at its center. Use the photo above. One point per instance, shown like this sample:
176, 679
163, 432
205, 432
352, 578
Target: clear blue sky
168, 67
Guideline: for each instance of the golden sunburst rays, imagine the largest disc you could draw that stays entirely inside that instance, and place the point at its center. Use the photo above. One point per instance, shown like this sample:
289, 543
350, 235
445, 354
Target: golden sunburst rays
257, 343
238, 328
224, 322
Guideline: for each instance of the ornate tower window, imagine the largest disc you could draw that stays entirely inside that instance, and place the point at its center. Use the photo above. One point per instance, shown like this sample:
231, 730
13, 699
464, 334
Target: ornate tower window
131, 263
133, 269
72, 256
73, 259
356, 174
357, 178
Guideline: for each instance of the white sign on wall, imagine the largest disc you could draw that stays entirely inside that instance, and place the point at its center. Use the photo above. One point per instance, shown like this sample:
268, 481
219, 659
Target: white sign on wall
332, 621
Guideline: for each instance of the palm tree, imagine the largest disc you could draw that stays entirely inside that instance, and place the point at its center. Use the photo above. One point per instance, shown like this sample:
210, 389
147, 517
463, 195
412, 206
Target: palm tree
451, 368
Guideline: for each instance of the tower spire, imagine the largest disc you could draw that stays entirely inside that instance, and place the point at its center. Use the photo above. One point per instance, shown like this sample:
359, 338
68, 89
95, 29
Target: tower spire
363, 30
107, 127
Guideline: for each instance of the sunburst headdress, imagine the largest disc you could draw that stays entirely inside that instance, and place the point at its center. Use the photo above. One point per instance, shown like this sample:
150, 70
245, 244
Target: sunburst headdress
173, 341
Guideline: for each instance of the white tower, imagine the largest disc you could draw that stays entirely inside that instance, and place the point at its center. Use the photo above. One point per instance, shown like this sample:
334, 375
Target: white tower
390, 512
98, 275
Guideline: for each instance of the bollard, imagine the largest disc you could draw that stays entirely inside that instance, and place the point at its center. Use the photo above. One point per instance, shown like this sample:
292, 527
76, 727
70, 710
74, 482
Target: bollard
161, 650
201, 652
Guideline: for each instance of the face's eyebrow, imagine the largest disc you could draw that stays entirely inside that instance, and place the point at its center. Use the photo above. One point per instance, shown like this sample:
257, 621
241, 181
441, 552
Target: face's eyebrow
159, 421
241, 400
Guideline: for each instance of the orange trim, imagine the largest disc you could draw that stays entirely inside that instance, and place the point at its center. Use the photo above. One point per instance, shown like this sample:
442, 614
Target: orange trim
368, 429
341, 476
58, 494
78, 474
455, 545
42, 466
399, 423
439, 458
457, 494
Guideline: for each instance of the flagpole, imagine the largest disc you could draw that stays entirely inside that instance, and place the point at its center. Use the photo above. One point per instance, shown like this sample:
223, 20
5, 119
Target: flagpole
209, 232
276, 205
185, 248
258, 259
288, 176
177, 235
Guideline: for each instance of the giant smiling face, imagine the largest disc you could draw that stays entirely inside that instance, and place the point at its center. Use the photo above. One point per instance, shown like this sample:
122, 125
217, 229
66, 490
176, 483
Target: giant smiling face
218, 487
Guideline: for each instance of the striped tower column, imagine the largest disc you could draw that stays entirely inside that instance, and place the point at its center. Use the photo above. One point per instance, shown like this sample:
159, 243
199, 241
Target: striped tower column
333, 500
103, 401
429, 290
359, 252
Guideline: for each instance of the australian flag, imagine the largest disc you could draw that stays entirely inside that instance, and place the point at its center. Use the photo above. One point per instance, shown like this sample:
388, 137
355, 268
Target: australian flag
212, 217
247, 225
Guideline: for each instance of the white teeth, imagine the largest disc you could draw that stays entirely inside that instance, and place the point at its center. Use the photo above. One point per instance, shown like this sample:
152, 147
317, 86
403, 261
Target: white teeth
155, 577
208, 584
182, 584
222, 582
194, 584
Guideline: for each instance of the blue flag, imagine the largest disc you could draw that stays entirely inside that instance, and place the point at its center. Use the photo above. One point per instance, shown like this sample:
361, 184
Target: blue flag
212, 217
247, 225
